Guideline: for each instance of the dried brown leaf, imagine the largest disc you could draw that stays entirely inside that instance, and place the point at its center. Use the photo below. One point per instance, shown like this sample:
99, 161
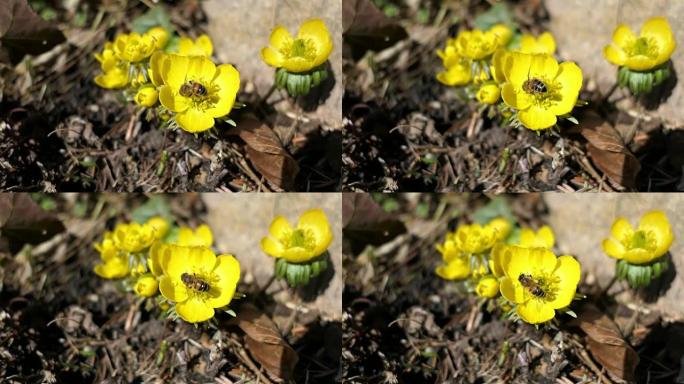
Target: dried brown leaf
606, 344
267, 154
608, 151
23, 32
366, 27
365, 220
23, 221
265, 344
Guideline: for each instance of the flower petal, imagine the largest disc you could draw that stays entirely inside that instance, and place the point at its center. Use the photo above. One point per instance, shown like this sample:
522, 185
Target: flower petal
203, 42
515, 99
543, 260
621, 229
315, 221
228, 271
280, 38
547, 41
570, 79
171, 100
194, 310
457, 269
659, 30
613, 248
316, 30
517, 68
656, 222
272, 57
614, 55
543, 66
194, 120
172, 291
535, 312
280, 227
568, 273
175, 72
536, 118
272, 247
228, 80
297, 254
201, 69
512, 291
623, 35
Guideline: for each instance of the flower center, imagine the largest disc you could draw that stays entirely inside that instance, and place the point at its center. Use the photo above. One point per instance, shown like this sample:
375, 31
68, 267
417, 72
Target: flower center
199, 284
643, 46
303, 48
202, 95
641, 240
300, 238
539, 286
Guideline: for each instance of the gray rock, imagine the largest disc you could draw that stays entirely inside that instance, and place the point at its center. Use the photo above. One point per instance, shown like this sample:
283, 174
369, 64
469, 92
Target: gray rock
240, 221
582, 221
582, 28
240, 29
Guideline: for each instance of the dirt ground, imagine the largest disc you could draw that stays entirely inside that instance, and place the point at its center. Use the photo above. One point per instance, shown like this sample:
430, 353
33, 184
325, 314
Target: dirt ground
403, 324
61, 132
405, 131
61, 323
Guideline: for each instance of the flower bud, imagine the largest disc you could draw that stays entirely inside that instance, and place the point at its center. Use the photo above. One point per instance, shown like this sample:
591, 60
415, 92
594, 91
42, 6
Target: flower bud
146, 286
147, 96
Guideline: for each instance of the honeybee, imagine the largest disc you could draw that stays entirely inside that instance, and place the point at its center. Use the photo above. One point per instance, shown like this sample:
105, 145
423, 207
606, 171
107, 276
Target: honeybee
194, 282
528, 282
534, 86
192, 88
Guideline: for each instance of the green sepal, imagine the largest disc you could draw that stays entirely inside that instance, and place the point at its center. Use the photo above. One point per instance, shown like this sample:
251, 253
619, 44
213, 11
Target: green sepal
300, 84
641, 275
298, 274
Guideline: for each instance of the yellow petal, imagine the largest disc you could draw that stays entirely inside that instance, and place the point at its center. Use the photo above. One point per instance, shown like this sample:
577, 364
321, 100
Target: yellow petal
204, 43
545, 237
536, 118
568, 273
272, 57
228, 80
205, 236
613, 248
272, 247
487, 287
638, 256
146, 286
547, 41
194, 310
189, 260
621, 229
458, 269
175, 73
623, 35
543, 260
185, 45
656, 222
512, 290
543, 66
614, 55
570, 80
517, 68
280, 38
172, 291
201, 69
316, 30
528, 43
659, 30
194, 120
228, 271
535, 312
640, 63
157, 61
172, 100
515, 99
297, 254
280, 227
115, 268
315, 221
297, 64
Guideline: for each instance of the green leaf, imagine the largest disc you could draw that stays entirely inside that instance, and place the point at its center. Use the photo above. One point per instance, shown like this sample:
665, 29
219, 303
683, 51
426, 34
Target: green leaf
155, 17
499, 13
155, 206
498, 207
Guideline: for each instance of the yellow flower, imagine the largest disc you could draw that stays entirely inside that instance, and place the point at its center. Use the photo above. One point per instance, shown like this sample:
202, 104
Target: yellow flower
545, 43
146, 286
501, 227
497, 67
474, 238
456, 264
540, 89
503, 32
198, 281
488, 287
652, 47
159, 255
160, 36
200, 47
196, 90
134, 47
543, 238
308, 50
488, 94
651, 240
458, 68
114, 264
478, 45
309, 239
146, 96
115, 71
133, 237
538, 282
499, 252
160, 225
202, 236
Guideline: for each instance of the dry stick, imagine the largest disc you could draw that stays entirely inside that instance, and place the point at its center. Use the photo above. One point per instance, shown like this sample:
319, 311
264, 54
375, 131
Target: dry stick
293, 317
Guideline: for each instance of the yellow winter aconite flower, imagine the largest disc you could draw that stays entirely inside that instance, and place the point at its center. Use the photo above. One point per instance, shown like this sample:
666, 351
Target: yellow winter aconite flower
196, 90
497, 67
202, 46
488, 287
146, 96
309, 49
160, 36
543, 238
653, 46
134, 47
160, 225
146, 286
503, 33
309, 239
488, 94
475, 238
649, 241
456, 264
538, 282
114, 264
115, 71
198, 281
133, 237
540, 89
501, 226
202, 236
545, 43
478, 45
458, 68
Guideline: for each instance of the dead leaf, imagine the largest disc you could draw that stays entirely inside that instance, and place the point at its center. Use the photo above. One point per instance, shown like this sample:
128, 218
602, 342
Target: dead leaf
365, 221
23, 221
606, 344
264, 342
367, 28
267, 154
608, 151
23, 32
